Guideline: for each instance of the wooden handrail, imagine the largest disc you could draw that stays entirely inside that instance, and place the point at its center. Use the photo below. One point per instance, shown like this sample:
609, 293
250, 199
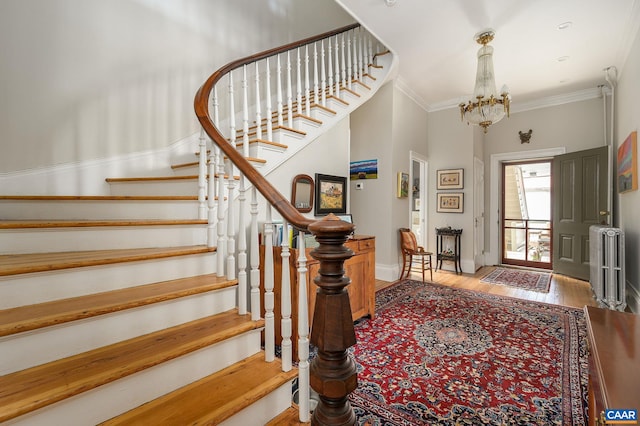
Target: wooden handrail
201, 105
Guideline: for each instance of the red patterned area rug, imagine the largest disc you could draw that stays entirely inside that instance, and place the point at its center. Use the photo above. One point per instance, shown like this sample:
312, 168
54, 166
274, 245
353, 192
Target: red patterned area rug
436, 355
528, 280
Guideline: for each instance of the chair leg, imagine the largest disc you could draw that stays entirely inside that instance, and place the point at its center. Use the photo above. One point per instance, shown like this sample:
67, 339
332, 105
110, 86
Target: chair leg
430, 268
404, 264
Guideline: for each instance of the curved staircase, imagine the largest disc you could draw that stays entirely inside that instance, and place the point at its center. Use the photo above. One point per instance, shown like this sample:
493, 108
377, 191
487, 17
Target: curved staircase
124, 308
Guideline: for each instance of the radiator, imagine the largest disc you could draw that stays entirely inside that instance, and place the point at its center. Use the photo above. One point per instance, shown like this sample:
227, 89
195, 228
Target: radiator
606, 258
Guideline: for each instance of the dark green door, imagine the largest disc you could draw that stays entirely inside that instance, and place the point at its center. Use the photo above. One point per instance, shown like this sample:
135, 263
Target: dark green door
580, 199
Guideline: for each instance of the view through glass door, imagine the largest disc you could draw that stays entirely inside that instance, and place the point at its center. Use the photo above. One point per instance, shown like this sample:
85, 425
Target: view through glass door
526, 208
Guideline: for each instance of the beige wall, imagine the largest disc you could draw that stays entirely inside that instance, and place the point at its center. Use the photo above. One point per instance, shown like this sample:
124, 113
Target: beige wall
627, 119
92, 79
386, 128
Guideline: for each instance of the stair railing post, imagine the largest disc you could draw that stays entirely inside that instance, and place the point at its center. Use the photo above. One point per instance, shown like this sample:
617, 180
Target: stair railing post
330, 66
323, 77
306, 82
285, 302
258, 107
220, 254
303, 333
337, 68
343, 64
279, 92
231, 185
298, 84
212, 238
242, 249
333, 373
269, 300
289, 92
349, 75
316, 78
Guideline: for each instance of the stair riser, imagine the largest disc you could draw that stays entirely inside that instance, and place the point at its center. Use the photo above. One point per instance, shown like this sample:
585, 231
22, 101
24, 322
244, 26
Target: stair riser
263, 410
100, 238
154, 188
96, 210
107, 401
28, 289
24, 350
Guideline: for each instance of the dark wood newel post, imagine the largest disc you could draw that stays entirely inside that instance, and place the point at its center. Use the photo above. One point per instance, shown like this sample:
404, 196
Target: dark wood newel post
333, 372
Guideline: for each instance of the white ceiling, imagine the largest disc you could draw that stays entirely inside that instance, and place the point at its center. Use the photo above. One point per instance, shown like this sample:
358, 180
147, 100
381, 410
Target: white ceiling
434, 40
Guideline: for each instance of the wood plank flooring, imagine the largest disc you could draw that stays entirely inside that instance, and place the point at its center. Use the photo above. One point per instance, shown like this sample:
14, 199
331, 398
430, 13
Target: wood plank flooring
564, 290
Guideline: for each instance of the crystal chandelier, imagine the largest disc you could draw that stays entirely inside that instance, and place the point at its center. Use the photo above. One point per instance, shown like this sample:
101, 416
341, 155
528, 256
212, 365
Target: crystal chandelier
487, 107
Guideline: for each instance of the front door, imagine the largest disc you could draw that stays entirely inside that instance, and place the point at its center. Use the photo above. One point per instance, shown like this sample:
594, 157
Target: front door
580, 199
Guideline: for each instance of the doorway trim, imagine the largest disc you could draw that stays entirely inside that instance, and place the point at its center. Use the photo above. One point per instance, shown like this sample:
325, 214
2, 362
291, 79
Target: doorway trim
493, 257
424, 166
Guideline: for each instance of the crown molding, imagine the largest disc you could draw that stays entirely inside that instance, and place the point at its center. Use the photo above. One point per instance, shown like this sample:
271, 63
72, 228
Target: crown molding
401, 85
581, 95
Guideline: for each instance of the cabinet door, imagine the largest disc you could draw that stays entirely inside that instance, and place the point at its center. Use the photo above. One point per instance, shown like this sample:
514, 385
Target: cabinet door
355, 270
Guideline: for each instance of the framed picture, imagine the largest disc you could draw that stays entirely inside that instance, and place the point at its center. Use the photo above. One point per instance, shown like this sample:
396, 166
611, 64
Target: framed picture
450, 202
451, 179
628, 164
403, 185
330, 194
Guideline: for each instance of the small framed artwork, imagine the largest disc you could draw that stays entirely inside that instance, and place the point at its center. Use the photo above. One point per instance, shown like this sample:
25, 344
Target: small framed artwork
450, 202
330, 194
451, 179
403, 185
628, 164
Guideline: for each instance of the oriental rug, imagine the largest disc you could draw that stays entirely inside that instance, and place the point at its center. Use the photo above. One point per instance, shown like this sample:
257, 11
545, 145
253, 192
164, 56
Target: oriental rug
528, 280
436, 355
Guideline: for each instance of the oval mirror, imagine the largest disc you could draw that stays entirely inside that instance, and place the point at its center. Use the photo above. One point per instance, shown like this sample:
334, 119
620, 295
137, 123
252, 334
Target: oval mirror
302, 193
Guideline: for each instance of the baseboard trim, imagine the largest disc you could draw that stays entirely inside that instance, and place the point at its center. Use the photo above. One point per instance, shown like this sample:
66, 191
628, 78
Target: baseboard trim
387, 272
633, 298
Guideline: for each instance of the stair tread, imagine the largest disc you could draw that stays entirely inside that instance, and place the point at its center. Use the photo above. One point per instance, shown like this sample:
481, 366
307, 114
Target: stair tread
13, 264
31, 317
213, 398
289, 417
99, 197
21, 224
33, 388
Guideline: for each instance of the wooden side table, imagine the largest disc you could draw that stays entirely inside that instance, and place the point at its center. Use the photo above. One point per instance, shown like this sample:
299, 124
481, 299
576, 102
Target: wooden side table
442, 255
614, 361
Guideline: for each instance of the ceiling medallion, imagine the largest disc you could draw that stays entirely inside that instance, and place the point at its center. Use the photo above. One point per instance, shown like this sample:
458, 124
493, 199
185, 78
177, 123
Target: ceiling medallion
488, 108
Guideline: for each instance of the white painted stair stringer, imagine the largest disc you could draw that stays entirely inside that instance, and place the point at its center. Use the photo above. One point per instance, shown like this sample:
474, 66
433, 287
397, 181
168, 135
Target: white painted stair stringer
24, 350
129, 392
59, 239
28, 289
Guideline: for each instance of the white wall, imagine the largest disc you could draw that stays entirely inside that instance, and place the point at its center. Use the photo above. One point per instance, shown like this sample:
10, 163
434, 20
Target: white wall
451, 145
385, 128
91, 79
627, 120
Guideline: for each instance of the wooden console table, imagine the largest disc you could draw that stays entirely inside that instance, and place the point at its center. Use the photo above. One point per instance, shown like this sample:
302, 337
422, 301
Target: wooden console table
360, 269
442, 255
614, 361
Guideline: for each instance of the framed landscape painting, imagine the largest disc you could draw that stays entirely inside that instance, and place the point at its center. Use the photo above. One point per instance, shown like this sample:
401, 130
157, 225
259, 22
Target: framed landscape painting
330, 194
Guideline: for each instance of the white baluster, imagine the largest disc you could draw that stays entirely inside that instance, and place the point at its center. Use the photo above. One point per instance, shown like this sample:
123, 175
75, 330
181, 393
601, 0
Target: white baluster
245, 113
202, 177
361, 56
258, 108
279, 92
255, 258
306, 82
337, 68
330, 66
369, 54
298, 83
242, 250
285, 302
212, 239
303, 333
268, 97
323, 77
355, 55
349, 75
343, 64
231, 241
269, 323
231, 184
220, 254
289, 92
316, 78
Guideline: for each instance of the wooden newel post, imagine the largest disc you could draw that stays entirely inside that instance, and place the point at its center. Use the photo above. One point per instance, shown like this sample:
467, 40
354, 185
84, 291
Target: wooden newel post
332, 373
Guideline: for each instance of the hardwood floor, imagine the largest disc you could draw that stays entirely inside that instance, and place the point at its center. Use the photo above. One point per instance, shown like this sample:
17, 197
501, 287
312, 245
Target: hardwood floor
564, 290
